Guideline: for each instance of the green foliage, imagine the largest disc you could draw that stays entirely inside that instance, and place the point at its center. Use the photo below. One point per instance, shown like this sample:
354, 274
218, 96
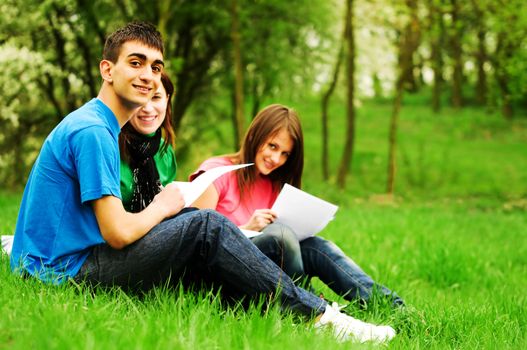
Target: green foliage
508, 23
51, 51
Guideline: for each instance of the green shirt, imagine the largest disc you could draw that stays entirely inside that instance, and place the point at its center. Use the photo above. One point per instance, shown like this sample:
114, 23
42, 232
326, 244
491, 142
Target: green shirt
166, 166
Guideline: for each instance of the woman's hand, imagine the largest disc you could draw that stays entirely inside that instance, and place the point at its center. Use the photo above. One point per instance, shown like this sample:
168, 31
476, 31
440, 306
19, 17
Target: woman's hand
260, 219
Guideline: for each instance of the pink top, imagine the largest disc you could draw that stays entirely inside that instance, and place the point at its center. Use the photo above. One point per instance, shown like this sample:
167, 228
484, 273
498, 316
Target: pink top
261, 196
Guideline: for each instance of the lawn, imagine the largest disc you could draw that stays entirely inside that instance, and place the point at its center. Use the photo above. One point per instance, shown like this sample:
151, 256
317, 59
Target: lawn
452, 242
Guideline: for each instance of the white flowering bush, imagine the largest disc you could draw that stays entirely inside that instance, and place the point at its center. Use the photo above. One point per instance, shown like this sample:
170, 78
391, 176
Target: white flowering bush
22, 105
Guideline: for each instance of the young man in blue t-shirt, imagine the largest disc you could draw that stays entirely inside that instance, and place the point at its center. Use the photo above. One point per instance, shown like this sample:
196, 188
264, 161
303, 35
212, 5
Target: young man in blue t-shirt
72, 223
71, 201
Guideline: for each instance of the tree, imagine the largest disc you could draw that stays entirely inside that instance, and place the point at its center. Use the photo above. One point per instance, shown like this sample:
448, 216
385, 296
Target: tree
436, 33
456, 52
68, 36
406, 48
480, 55
347, 154
412, 44
238, 115
21, 113
283, 42
509, 25
325, 102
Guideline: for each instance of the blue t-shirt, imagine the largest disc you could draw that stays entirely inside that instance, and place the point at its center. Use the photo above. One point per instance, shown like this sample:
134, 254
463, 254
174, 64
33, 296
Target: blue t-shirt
78, 163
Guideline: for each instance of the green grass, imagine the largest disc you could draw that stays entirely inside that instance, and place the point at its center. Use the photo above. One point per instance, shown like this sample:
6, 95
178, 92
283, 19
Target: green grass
453, 244
461, 268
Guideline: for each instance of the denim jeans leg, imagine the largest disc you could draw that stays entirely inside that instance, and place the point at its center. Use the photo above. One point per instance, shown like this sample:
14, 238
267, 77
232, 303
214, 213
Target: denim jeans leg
204, 239
328, 262
279, 243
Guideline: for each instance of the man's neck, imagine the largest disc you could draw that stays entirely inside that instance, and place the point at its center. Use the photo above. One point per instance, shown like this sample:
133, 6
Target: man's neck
122, 111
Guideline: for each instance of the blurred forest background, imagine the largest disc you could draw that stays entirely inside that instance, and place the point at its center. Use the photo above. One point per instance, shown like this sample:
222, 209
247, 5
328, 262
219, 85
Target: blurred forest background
415, 121
444, 67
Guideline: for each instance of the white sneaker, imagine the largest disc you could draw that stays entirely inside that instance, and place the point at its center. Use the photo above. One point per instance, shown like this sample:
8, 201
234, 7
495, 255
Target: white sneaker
7, 244
348, 328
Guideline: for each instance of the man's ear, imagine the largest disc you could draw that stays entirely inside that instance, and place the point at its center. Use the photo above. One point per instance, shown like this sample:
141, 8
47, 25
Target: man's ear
106, 70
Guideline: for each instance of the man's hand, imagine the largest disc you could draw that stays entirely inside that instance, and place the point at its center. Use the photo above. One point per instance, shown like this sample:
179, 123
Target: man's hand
170, 200
120, 228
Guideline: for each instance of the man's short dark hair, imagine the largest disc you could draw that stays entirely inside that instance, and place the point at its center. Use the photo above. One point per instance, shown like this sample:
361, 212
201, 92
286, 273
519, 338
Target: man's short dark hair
143, 32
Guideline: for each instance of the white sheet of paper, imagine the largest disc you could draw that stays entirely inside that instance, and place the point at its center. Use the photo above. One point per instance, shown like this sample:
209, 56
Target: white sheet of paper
250, 233
304, 213
192, 190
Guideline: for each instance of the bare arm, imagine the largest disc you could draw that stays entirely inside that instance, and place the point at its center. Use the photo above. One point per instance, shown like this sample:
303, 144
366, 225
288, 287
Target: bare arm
208, 200
120, 228
258, 221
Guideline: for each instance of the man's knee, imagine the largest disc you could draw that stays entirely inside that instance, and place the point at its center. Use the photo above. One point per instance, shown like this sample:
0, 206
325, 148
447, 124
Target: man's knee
215, 220
208, 215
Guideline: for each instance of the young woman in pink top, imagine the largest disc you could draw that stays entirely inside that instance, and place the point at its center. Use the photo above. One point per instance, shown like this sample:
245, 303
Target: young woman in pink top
274, 143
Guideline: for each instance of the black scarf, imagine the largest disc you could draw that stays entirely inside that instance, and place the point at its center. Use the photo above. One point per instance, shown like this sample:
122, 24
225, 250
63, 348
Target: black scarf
144, 171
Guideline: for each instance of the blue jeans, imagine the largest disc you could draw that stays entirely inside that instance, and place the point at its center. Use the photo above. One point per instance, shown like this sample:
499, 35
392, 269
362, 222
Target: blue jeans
317, 257
279, 243
202, 242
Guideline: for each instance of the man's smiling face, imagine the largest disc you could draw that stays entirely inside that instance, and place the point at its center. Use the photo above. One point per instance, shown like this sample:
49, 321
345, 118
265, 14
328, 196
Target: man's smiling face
136, 75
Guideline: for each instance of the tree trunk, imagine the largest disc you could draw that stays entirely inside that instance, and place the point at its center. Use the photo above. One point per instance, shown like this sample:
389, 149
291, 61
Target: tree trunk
347, 155
410, 79
504, 52
406, 50
47, 84
481, 52
87, 57
455, 42
392, 140
481, 58
163, 16
190, 78
437, 32
60, 52
238, 115
325, 103
88, 12
255, 98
